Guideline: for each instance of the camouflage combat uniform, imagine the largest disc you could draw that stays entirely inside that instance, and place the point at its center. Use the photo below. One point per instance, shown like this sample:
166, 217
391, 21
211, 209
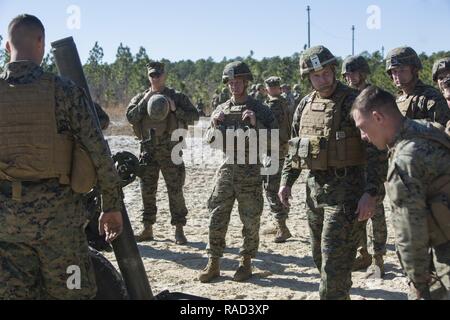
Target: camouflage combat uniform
426, 102
332, 198
241, 182
279, 107
156, 155
42, 235
92, 200
415, 164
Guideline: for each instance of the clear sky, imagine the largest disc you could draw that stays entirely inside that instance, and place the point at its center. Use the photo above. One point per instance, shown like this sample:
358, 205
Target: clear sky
183, 29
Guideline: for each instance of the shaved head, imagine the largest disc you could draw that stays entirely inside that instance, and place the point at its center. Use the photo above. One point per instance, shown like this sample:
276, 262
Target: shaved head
23, 29
26, 38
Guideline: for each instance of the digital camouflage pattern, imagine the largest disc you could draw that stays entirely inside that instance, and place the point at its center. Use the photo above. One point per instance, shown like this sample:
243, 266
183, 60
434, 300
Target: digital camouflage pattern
414, 163
156, 155
242, 183
297, 97
332, 199
103, 117
43, 235
92, 200
426, 102
280, 109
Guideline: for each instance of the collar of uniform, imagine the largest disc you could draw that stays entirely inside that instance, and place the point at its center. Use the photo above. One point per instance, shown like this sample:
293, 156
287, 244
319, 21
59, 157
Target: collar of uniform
233, 103
399, 136
22, 71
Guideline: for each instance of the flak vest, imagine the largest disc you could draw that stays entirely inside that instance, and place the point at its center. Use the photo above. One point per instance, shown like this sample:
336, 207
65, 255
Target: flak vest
323, 141
30, 147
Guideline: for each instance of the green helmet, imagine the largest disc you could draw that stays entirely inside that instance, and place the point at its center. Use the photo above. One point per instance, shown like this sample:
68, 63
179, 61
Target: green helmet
402, 56
236, 69
259, 86
315, 59
439, 66
158, 107
297, 87
273, 82
355, 63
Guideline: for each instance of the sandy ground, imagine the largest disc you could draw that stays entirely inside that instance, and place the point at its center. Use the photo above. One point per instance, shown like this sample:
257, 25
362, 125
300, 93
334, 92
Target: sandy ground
281, 271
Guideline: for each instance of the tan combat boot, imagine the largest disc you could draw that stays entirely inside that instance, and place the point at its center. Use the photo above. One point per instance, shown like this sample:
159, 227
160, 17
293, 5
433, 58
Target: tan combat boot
146, 234
211, 272
180, 238
283, 232
363, 260
244, 272
376, 270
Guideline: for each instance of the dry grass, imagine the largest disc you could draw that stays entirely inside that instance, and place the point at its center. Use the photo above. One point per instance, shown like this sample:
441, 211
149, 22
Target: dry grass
119, 125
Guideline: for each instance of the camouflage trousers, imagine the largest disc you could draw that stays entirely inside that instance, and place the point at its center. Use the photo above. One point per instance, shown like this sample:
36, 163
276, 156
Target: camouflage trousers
158, 159
375, 235
439, 261
335, 231
272, 186
244, 184
43, 247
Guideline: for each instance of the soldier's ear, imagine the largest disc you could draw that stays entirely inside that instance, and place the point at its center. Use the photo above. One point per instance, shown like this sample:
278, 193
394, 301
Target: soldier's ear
8, 46
378, 117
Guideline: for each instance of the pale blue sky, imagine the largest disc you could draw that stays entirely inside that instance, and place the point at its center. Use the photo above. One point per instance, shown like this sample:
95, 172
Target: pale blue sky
179, 30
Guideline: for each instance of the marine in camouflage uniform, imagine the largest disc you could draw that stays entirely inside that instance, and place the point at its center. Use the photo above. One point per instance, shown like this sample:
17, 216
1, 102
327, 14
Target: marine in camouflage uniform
297, 96
261, 93
279, 106
416, 100
156, 152
326, 141
355, 71
43, 220
215, 101
418, 188
93, 199
241, 182
441, 76
289, 96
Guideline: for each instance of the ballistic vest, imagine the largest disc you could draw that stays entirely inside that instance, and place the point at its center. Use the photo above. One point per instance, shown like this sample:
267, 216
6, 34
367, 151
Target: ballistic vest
30, 147
324, 143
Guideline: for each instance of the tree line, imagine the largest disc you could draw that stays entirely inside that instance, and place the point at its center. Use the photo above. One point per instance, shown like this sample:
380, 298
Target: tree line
114, 84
